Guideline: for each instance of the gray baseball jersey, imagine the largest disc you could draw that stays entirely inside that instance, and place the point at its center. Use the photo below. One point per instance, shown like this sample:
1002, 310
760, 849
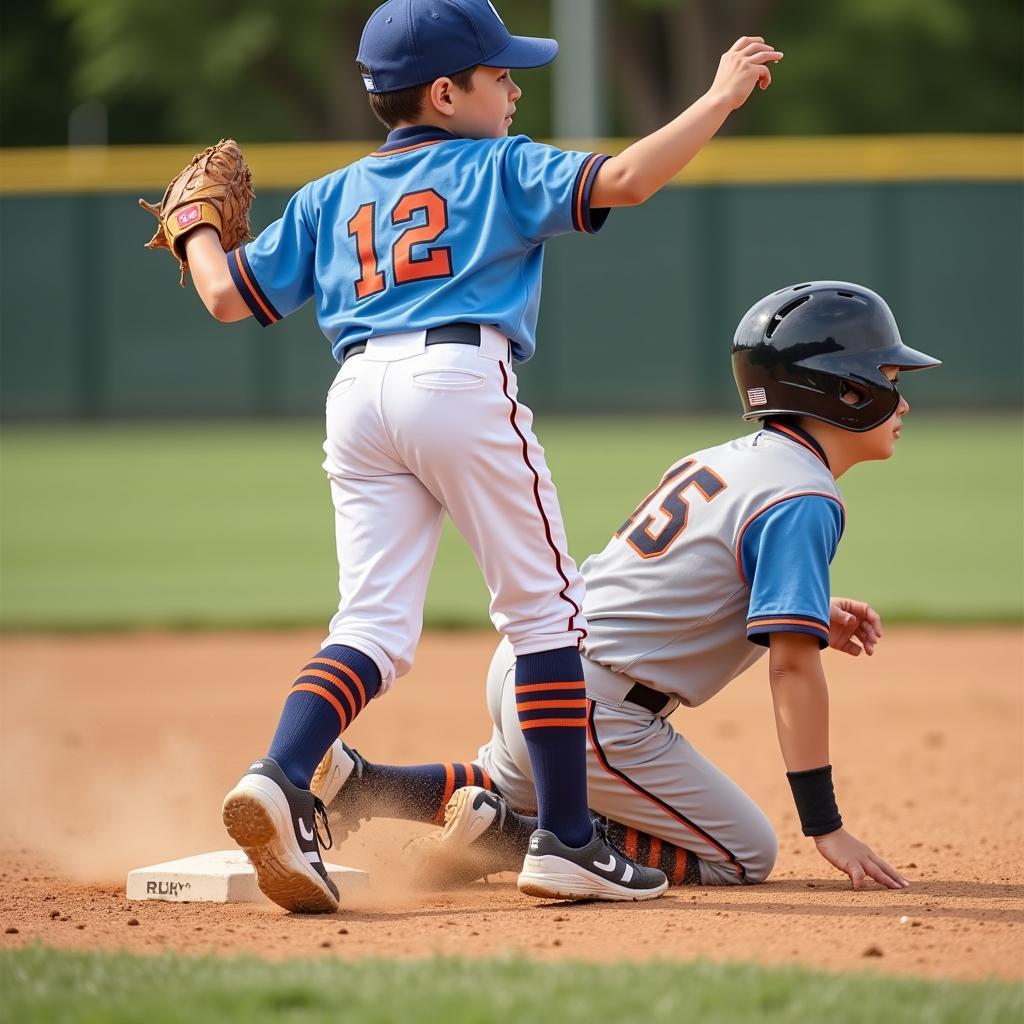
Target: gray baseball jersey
733, 544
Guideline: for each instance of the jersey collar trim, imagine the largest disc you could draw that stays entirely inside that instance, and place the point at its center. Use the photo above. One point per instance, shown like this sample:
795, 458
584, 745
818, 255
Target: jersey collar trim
801, 437
403, 140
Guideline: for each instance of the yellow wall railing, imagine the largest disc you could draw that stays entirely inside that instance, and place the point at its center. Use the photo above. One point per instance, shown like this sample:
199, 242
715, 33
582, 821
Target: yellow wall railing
750, 160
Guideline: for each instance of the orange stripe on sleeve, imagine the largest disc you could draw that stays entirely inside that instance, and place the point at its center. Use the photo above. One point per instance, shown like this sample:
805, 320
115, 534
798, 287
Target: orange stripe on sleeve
538, 723
486, 783
582, 189
327, 696
575, 684
248, 283
470, 774
755, 623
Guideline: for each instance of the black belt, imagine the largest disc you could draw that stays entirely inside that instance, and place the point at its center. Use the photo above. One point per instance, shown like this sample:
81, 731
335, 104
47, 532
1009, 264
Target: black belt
643, 696
448, 334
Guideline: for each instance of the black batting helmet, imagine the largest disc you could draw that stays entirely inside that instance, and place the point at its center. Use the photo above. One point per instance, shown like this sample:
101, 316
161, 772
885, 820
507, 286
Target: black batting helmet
798, 351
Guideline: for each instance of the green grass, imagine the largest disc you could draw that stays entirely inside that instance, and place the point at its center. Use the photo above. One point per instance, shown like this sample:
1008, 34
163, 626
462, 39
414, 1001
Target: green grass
231, 524
42, 986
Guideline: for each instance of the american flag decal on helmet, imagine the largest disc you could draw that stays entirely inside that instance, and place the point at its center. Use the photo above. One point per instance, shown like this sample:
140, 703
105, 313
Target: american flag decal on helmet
756, 396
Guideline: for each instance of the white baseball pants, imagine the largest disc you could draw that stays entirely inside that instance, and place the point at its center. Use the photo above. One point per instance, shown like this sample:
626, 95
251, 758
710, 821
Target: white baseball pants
415, 431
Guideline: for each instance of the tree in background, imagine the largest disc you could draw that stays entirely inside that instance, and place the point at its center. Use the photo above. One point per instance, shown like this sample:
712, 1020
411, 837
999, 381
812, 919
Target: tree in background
267, 70
877, 66
261, 69
35, 90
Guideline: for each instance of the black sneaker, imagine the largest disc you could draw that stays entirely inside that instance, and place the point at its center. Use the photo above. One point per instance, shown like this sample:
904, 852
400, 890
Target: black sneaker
474, 843
337, 781
596, 871
276, 824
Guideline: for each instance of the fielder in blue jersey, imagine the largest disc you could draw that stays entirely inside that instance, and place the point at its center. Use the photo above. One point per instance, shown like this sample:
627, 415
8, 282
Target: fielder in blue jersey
424, 261
491, 202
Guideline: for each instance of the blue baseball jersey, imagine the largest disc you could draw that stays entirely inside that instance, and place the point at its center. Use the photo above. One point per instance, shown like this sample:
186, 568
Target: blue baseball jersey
430, 229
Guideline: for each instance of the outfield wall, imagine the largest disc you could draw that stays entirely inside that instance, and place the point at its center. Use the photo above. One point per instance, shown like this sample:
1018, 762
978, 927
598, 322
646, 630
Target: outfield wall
637, 319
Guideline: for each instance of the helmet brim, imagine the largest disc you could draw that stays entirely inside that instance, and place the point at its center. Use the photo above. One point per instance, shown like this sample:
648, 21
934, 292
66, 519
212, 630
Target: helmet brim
903, 357
868, 364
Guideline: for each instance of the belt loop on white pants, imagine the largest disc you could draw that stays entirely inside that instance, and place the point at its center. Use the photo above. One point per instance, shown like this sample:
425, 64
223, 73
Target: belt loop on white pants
494, 345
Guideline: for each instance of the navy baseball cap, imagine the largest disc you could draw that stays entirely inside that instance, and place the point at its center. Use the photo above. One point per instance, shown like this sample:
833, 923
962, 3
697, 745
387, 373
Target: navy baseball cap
412, 42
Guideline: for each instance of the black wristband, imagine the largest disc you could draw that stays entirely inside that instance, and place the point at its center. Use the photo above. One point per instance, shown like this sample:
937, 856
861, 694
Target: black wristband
815, 800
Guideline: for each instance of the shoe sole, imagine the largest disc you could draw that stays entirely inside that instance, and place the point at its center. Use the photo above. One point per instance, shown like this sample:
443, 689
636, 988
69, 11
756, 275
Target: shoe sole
555, 878
257, 817
459, 819
319, 785
453, 844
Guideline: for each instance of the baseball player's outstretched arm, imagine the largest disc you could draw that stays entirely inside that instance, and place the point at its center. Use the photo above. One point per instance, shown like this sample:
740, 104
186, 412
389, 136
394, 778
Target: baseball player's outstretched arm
638, 172
800, 695
212, 277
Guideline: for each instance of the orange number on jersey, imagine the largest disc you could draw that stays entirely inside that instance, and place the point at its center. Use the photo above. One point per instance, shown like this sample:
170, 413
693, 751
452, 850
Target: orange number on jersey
360, 227
438, 261
674, 509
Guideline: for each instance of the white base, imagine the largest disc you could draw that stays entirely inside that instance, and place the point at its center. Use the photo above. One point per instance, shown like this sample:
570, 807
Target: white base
225, 876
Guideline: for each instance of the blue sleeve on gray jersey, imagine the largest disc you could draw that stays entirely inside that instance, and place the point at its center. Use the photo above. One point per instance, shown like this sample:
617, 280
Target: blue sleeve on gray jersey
785, 553
547, 190
274, 273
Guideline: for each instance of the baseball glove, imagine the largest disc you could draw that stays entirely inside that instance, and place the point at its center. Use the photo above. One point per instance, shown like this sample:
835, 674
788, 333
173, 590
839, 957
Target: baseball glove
215, 189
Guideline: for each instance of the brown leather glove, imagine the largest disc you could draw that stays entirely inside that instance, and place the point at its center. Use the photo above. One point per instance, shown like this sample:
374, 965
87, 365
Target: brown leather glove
215, 189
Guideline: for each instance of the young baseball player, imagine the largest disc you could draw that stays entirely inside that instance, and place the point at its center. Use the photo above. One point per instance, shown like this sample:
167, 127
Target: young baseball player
424, 261
726, 558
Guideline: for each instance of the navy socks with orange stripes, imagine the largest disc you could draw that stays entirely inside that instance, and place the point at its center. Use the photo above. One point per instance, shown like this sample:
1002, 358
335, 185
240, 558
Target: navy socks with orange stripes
325, 698
551, 699
417, 792
681, 867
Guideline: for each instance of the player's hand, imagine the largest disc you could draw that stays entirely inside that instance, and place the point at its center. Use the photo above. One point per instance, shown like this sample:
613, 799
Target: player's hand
741, 68
850, 621
858, 860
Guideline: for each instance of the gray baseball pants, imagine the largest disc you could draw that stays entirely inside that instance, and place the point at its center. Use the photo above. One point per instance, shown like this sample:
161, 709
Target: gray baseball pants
641, 773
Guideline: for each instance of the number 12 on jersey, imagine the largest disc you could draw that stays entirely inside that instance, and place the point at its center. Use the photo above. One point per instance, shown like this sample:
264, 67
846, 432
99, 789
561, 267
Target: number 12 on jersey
674, 510
405, 268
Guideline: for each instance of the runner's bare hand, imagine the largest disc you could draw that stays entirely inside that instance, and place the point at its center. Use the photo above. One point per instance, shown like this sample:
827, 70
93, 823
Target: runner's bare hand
858, 860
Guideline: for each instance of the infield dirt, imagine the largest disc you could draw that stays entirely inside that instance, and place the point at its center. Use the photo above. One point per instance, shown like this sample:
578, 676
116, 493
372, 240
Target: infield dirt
115, 752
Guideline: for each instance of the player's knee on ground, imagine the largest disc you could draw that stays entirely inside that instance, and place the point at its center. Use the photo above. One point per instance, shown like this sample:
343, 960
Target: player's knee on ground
754, 857
765, 846
757, 860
